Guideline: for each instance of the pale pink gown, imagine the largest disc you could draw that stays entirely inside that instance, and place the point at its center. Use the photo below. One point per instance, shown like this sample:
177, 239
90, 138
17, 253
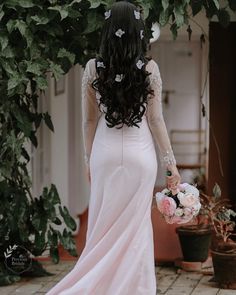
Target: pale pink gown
118, 258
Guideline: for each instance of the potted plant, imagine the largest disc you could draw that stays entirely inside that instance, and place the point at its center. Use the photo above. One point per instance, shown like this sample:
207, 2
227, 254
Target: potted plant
195, 237
223, 248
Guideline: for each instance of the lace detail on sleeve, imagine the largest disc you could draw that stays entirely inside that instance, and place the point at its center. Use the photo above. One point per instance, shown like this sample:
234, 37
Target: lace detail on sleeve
156, 120
90, 110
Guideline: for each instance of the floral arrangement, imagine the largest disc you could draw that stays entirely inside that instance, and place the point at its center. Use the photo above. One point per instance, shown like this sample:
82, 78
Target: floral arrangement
180, 207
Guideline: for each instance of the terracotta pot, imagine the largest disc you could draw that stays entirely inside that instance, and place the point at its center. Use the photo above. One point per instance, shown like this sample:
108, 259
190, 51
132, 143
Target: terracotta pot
195, 242
224, 269
166, 242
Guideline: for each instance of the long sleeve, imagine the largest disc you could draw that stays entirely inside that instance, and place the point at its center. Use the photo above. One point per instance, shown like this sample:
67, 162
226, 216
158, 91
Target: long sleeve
90, 110
156, 121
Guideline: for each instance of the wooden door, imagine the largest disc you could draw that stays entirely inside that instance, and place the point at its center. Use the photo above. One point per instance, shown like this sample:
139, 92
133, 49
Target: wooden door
223, 108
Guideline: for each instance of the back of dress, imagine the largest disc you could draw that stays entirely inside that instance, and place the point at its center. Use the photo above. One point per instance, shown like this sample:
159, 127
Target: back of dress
118, 257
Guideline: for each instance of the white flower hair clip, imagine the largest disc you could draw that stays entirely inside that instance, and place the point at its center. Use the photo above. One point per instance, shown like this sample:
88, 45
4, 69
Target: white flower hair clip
119, 78
139, 64
119, 33
107, 14
100, 64
137, 14
141, 34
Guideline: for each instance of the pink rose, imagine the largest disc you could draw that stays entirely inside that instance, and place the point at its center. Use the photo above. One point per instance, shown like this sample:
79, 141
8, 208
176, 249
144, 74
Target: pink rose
188, 200
167, 206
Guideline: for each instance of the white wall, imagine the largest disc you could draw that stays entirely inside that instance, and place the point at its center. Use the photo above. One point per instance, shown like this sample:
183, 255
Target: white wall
59, 141
67, 162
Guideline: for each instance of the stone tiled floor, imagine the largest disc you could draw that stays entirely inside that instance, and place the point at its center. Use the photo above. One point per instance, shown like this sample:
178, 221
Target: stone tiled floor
169, 282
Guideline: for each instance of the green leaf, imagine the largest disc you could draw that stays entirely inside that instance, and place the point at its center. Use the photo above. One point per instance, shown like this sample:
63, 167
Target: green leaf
95, 3
21, 26
56, 70
69, 221
165, 4
94, 22
7, 52
34, 68
39, 241
11, 24
164, 17
174, 31
146, 9
216, 191
40, 20
54, 254
48, 121
6, 279
224, 17
63, 10
3, 40
65, 53
14, 81
2, 13
23, 122
179, 15
217, 5
42, 82
21, 3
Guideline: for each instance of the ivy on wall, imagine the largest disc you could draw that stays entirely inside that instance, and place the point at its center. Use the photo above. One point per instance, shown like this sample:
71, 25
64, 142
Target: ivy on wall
37, 38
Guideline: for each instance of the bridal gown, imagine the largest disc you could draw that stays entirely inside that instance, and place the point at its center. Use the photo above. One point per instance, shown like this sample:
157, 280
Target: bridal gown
118, 258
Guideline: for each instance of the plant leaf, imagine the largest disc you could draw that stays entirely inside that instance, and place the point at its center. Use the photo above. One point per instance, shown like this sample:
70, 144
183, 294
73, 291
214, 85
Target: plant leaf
216, 191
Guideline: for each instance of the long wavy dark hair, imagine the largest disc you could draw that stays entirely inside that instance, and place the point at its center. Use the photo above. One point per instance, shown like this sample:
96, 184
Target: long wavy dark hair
125, 100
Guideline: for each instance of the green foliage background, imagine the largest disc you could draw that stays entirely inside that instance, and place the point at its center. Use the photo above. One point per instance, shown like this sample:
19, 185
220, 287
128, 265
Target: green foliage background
37, 38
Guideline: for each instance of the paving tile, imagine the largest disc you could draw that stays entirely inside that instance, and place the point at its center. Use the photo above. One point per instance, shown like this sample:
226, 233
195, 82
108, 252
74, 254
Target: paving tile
168, 270
28, 289
205, 291
226, 292
166, 279
188, 280
179, 290
5, 290
169, 282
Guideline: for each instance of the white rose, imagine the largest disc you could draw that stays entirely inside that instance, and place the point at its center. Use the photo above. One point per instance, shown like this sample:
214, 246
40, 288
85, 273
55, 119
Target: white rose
191, 190
188, 200
196, 208
187, 211
179, 212
180, 195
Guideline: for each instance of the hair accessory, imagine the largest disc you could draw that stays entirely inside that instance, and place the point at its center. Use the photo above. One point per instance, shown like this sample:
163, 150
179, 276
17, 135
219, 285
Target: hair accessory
141, 34
137, 14
119, 78
107, 14
139, 64
119, 33
100, 64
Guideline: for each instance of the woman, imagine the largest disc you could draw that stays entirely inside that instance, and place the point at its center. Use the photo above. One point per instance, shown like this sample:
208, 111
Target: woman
122, 118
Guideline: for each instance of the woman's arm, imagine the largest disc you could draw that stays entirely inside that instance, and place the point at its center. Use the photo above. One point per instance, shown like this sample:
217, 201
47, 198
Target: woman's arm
158, 127
90, 110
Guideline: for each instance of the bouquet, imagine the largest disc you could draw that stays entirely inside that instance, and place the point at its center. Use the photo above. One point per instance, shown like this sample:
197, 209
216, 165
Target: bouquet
180, 207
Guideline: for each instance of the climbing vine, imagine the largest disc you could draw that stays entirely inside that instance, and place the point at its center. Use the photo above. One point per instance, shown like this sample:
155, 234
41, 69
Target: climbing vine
47, 37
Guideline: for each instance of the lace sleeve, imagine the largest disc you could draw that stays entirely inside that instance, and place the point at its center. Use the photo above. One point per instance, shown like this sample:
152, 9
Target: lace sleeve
156, 121
90, 110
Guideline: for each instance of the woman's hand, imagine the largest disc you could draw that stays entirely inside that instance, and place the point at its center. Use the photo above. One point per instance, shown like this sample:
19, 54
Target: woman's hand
174, 180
